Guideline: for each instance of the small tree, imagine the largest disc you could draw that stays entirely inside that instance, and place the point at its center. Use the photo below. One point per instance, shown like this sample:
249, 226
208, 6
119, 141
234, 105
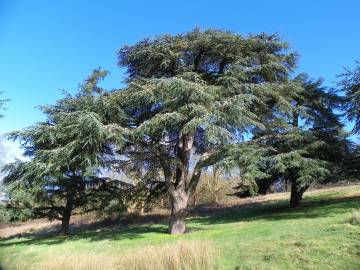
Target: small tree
193, 96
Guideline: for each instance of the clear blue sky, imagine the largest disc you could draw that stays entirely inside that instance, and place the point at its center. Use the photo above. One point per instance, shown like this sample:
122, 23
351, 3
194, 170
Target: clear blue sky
48, 45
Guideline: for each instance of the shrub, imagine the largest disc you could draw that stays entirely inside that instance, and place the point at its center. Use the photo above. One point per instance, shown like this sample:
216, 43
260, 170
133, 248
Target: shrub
13, 214
213, 188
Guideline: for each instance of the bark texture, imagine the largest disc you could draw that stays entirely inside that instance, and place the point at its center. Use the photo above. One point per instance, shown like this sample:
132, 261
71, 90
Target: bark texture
180, 182
179, 202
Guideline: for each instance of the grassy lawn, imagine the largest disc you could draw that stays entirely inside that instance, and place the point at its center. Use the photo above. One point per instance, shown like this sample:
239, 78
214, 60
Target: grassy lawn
261, 236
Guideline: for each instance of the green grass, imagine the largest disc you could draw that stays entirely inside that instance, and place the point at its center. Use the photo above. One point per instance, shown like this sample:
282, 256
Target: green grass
316, 235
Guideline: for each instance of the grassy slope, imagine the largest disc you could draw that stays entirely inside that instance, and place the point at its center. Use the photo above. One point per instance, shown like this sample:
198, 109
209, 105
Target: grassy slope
265, 236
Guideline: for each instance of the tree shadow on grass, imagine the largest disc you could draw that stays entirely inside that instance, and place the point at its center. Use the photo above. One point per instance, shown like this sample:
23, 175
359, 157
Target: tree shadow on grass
117, 231
279, 210
115, 234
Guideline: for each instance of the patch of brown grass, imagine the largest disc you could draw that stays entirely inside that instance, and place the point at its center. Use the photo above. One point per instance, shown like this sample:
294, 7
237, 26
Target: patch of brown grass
8, 230
181, 255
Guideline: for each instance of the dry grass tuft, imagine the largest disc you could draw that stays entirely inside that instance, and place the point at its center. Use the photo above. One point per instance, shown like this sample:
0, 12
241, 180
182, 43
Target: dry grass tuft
181, 255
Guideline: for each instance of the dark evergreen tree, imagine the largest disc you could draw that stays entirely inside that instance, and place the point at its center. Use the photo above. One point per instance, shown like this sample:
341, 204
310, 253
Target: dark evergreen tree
350, 85
65, 154
308, 145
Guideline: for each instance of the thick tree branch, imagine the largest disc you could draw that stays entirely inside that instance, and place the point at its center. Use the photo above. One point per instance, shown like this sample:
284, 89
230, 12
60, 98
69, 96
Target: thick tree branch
183, 158
207, 159
168, 175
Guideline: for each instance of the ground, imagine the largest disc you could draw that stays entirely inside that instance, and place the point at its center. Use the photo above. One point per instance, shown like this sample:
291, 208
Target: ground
261, 234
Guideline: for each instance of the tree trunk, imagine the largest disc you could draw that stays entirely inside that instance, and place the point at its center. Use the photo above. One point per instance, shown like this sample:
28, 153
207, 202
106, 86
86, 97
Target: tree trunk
65, 221
66, 214
296, 194
179, 201
142, 208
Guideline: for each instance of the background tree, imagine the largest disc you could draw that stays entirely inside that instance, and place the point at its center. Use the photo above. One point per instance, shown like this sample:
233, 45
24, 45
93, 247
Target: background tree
309, 145
350, 84
193, 96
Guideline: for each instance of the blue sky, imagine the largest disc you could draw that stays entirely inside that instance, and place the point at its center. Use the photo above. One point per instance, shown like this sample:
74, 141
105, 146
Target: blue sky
46, 46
